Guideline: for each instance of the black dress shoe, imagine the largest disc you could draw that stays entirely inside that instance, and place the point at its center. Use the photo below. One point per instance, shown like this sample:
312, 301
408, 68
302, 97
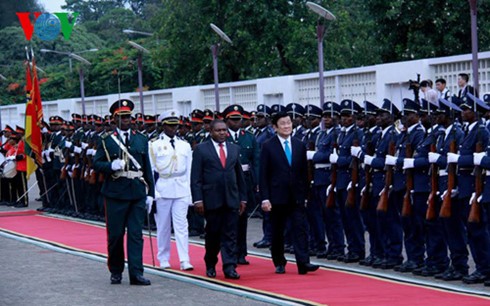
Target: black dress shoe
194, 233
390, 264
377, 263
487, 283
232, 275
407, 266
305, 268
454, 275
351, 257
20, 205
263, 244
116, 278
428, 271
475, 278
323, 254
280, 269
211, 272
368, 261
334, 255
139, 280
242, 261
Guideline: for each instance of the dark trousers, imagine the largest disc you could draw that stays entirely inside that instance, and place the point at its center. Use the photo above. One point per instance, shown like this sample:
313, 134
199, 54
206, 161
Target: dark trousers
315, 211
221, 235
196, 221
390, 227
370, 218
413, 228
353, 226
19, 188
122, 215
456, 235
479, 241
279, 215
436, 246
243, 219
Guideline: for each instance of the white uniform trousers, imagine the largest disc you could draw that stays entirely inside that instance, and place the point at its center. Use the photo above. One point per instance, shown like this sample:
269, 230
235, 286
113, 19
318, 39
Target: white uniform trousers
172, 211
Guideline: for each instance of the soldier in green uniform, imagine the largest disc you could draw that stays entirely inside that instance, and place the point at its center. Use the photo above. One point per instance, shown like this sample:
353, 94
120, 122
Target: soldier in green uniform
249, 159
123, 158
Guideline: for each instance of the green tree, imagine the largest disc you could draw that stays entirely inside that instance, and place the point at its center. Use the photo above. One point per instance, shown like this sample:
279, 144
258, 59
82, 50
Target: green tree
9, 8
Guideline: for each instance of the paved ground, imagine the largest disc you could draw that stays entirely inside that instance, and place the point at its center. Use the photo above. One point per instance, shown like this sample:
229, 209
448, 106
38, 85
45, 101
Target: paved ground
35, 275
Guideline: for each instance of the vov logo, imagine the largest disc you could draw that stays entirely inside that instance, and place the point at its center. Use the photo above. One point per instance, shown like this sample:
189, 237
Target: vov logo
47, 26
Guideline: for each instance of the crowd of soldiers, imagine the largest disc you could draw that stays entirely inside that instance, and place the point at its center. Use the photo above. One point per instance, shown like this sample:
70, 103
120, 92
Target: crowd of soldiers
413, 178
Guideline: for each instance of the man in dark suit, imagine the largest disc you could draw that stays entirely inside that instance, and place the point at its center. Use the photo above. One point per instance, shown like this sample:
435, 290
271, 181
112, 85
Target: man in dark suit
122, 156
465, 88
283, 188
219, 192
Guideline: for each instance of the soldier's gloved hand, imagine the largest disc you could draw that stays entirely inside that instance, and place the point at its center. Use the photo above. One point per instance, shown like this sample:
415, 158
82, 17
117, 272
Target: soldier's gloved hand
118, 164
368, 159
310, 154
329, 189
363, 189
433, 157
390, 160
90, 152
452, 158
77, 150
149, 203
473, 195
349, 187
408, 163
334, 157
10, 157
477, 157
355, 151
84, 145
68, 144
454, 193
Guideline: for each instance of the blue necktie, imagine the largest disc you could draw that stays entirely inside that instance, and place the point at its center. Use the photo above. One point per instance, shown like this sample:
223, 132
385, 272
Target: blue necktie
287, 150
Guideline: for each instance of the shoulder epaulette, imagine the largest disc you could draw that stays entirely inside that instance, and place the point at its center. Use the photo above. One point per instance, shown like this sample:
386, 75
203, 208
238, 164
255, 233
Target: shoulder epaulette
106, 134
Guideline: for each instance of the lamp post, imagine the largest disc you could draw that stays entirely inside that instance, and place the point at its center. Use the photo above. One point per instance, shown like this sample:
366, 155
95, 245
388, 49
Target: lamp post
77, 57
320, 34
129, 31
215, 50
141, 50
474, 43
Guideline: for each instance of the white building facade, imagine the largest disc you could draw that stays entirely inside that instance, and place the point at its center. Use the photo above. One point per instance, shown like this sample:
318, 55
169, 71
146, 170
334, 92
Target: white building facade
372, 83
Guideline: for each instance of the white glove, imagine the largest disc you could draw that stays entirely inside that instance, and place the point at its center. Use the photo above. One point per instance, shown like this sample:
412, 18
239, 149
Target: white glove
390, 160
334, 157
473, 195
363, 189
408, 163
355, 151
68, 144
84, 145
70, 174
349, 186
310, 154
118, 164
433, 157
452, 158
90, 152
454, 193
149, 203
477, 157
10, 158
47, 155
368, 160
329, 188
77, 150
479, 198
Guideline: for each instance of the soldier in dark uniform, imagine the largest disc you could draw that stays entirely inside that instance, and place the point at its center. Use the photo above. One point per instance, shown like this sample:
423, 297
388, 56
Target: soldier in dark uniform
351, 217
477, 232
388, 223
371, 138
328, 219
207, 119
151, 126
249, 159
413, 234
297, 113
263, 132
140, 122
123, 158
246, 122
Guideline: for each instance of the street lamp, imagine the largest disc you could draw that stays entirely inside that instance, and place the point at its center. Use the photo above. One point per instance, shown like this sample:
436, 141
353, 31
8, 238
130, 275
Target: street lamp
320, 33
129, 31
73, 55
141, 50
215, 50
474, 43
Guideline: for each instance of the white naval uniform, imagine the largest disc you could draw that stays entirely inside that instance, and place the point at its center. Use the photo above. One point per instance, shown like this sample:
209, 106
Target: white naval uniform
172, 194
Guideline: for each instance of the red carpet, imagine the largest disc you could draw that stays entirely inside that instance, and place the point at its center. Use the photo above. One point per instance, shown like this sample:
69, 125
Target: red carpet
325, 286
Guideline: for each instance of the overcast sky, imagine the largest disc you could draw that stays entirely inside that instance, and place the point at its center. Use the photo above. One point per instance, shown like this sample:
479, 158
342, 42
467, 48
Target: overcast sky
52, 6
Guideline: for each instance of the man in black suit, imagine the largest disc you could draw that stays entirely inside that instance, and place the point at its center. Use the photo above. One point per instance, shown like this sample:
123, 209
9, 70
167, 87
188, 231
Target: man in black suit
465, 88
283, 188
219, 192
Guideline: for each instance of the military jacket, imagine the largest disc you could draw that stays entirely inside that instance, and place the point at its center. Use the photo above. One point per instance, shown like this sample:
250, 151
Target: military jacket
249, 152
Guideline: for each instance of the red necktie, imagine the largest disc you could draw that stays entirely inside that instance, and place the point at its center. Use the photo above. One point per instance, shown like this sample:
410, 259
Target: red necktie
222, 155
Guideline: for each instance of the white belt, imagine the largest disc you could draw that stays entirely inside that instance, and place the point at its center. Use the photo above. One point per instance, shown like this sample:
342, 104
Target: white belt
170, 175
323, 166
442, 172
245, 167
129, 174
